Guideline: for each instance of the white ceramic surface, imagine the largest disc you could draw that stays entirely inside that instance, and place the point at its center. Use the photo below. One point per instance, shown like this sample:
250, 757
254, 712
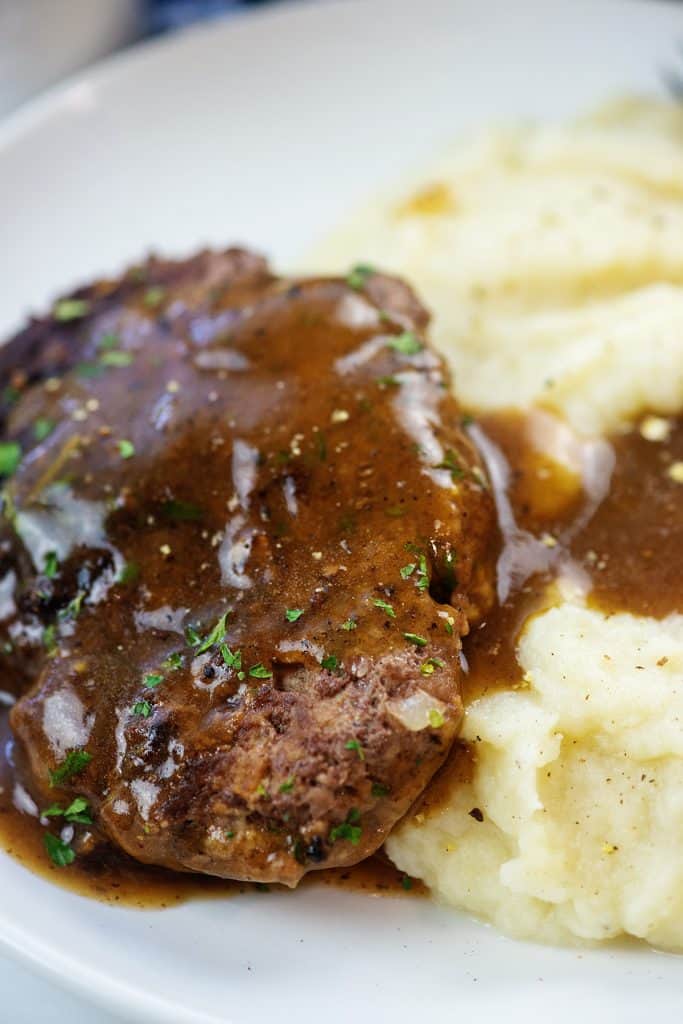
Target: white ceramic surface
43, 40
266, 130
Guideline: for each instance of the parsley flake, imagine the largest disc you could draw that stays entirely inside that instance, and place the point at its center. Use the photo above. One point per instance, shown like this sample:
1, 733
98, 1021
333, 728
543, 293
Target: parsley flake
154, 296
259, 671
49, 638
73, 764
378, 790
349, 625
78, 812
115, 357
288, 785
216, 636
385, 606
436, 718
355, 745
415, 638
406, 883
42, 428
59, 853
359, 275
173, 662
408, 570
152, 680
71, 309
129, 573
427, 667
142, 708
407, 344
451, 463
233, 659
10, 457
348, 829
51, 566
330, 662
126, 449
293, 614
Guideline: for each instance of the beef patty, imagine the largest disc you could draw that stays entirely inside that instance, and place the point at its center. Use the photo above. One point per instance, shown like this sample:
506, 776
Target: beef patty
243, 537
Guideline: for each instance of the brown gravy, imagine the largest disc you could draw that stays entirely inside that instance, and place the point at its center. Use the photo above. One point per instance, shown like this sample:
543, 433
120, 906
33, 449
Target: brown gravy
630, 550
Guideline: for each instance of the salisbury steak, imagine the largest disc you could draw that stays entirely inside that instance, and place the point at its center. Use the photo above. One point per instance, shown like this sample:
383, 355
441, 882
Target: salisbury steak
244, 535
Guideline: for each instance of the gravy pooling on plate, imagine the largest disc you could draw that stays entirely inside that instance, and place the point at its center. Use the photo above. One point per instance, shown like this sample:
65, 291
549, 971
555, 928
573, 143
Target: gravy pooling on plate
614, 546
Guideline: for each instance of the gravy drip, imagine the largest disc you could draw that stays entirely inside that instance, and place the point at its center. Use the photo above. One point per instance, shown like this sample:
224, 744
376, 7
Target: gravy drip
599, 519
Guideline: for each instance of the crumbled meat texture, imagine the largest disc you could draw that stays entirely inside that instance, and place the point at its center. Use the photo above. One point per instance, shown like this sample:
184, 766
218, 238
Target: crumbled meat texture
218, 442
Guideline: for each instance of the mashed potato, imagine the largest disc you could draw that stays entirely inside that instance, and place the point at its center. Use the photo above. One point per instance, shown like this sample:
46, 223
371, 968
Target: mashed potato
552, 260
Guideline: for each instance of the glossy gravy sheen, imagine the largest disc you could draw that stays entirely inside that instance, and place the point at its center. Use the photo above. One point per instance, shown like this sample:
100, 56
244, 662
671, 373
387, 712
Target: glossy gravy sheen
627, 551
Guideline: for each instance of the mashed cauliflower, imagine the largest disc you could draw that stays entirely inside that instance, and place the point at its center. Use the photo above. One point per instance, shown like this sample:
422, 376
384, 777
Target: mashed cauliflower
552, 260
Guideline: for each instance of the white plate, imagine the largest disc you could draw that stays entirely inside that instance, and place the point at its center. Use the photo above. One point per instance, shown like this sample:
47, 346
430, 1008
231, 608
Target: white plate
266, 130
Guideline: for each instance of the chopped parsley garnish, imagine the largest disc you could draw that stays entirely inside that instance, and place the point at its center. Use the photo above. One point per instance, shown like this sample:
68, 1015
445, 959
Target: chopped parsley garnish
288, 785
87, 370
73, 609
154, 296
10, 457
73, 764
436, 719
448, 626
408, 570
385, 606
42, 428
355, 745
415, 638
348, 829
109, 340
378, 790
406, 883
143, 709
229, 835
216, 636
192, 637
174, 661
422, 581
126, 449
427, 667
233, 659
407, 344
181, 511
129, 573
152, 680
116, 357
59, 853
451, 463
349, 625
49, 638
77, 813
261, 790
388, 382
330, 662
259, 671
358, 276
293, 614
51, 566
71, 309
